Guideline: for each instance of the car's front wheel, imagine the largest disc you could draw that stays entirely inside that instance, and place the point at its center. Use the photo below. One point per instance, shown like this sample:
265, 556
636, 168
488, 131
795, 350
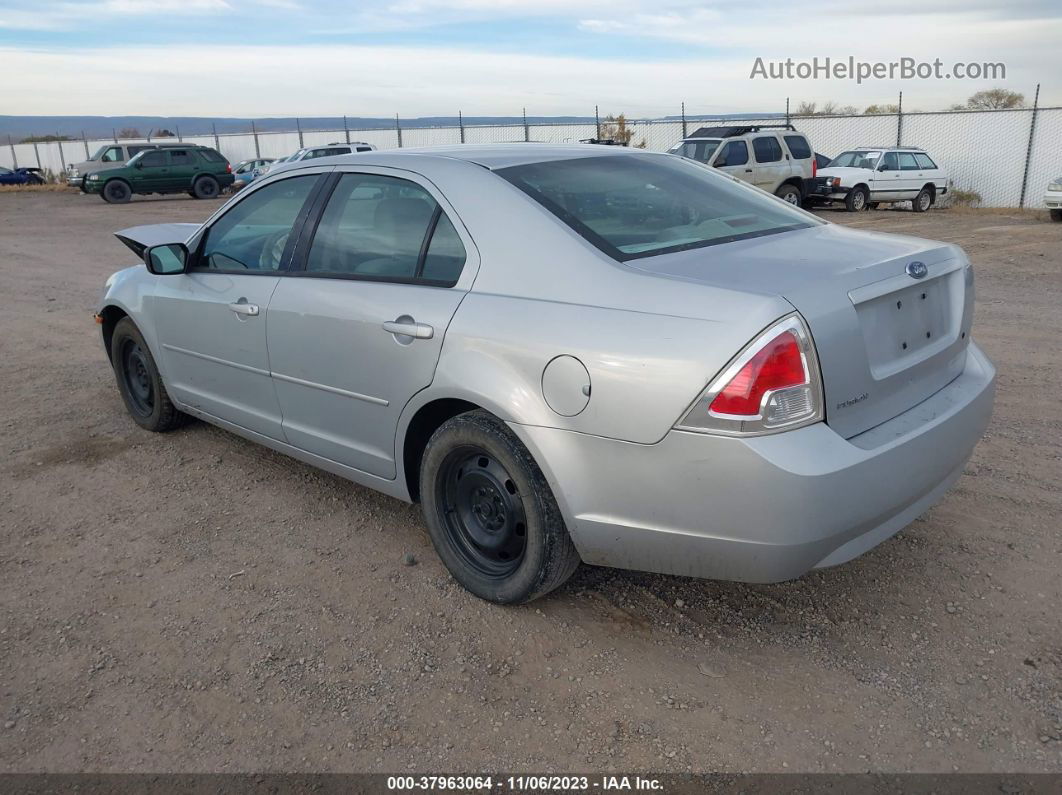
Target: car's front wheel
856, 199
117, 192
789, 194
139, 381
1056, 215
490, 512
206, 188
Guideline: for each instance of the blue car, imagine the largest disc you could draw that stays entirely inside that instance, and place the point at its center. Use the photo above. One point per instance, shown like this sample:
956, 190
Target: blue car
20, 176
245, 170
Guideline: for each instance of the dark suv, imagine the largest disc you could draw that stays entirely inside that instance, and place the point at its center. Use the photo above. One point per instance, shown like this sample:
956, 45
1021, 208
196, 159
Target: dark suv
200, 171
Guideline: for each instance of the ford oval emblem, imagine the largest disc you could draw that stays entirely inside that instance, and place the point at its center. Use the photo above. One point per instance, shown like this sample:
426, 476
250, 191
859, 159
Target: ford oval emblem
917, 270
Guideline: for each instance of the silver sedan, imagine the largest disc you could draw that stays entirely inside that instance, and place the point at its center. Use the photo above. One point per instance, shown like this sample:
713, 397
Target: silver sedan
567, 354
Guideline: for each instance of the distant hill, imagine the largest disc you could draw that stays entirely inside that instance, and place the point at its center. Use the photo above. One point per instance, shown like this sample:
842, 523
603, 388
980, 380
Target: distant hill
19, 127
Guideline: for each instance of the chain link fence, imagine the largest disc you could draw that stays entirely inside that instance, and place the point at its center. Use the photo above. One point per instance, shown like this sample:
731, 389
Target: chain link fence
1007, 157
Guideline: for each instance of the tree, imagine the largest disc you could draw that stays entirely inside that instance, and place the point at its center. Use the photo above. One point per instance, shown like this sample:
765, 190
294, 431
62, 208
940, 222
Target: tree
164, 133
993, 99
615, 128
129, 132
873, 110
827, 109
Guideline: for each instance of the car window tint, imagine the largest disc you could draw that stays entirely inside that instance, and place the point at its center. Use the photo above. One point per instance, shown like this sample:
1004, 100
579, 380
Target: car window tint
211, 154
154, 158
907, 162
113, 155
889, 161
180, 157
735, 153
798, 146
252, 236
446, 253
632, 206
924, 161
767, 149
372, 226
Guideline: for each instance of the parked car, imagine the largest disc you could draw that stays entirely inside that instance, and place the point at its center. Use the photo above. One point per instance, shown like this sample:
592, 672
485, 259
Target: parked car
198, 170
314, 152
110, 156
863, 178
20, 176
567, 353
821, 161
776, 158
245, 170
1053, 199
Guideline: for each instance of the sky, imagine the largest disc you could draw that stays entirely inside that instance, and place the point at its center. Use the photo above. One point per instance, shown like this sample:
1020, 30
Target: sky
496, 57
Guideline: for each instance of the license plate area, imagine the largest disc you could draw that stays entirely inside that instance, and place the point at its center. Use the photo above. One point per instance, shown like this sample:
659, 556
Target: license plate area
902, 327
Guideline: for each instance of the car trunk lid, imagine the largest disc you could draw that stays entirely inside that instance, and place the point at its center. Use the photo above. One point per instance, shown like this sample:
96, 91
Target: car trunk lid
886, 340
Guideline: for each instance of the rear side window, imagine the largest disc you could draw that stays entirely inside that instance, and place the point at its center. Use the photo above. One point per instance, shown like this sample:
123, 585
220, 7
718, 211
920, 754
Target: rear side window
180, 157
767, 149
798, 146
924, 160
907, 162
735, 153
381, 228
212, 155
364, 149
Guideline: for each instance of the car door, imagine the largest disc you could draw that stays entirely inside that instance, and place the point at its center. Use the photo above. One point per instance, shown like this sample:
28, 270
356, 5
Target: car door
211, 320
150, 172
911, 180
183, 167
888, 180
357, 330
770, 167
734, 160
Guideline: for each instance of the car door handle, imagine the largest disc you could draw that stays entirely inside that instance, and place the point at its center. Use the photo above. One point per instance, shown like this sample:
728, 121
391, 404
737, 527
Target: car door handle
419, 331
748, 170
241, 307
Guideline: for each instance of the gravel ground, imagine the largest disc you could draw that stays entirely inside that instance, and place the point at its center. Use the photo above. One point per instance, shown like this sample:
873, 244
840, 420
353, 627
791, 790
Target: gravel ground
192, 602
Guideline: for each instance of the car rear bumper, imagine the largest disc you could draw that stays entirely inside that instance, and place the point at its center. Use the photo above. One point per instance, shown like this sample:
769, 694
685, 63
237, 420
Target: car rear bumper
767, 508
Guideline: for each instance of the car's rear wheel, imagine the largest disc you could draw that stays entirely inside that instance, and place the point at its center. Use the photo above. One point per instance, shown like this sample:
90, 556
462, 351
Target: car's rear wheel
117, 192
139, 381
923, 201
1056, 215
490, 512
206, 188
789, 194
856, 199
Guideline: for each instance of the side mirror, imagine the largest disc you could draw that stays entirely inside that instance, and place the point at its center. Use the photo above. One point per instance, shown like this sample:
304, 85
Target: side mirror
883, 167
719, 163
166, 260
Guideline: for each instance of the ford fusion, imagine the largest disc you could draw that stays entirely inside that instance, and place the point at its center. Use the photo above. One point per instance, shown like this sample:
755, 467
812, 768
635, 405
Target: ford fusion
567, 354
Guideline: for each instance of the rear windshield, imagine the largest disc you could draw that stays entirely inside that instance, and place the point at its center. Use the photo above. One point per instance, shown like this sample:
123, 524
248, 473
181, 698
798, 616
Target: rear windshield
640, 206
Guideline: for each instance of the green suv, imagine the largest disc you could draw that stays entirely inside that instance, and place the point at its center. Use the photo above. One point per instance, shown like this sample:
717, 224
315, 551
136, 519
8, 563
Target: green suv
200, 171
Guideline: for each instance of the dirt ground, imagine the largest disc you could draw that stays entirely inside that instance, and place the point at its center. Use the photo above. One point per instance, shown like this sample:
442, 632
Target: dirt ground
193, 602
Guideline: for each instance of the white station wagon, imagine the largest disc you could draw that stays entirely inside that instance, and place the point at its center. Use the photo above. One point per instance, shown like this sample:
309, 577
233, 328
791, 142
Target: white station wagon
864, 177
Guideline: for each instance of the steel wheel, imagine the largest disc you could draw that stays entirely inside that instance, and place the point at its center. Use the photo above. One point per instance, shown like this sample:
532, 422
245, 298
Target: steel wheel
922, 201
483, 512
137, 378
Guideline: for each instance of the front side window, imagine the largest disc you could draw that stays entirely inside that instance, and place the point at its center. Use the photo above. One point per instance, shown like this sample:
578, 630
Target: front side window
735, 153
767, 149
633, 206
889, 162
253, 236
153, 159
862, 158
381, 227
798, 146
112, 155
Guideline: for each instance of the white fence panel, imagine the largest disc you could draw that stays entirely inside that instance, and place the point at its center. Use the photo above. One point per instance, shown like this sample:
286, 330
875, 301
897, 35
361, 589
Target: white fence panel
1046, 163
831, 135
432, 136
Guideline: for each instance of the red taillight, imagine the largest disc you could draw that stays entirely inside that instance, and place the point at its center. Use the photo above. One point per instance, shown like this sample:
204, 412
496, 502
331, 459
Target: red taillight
228, 168
777, 365
814, 167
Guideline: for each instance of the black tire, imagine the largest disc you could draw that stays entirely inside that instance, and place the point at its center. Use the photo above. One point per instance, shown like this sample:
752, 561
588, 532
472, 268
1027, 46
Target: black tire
1056, 215
117, 192
923, 201
139, 381
490, 512
789, 194
857, 199
206, 188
